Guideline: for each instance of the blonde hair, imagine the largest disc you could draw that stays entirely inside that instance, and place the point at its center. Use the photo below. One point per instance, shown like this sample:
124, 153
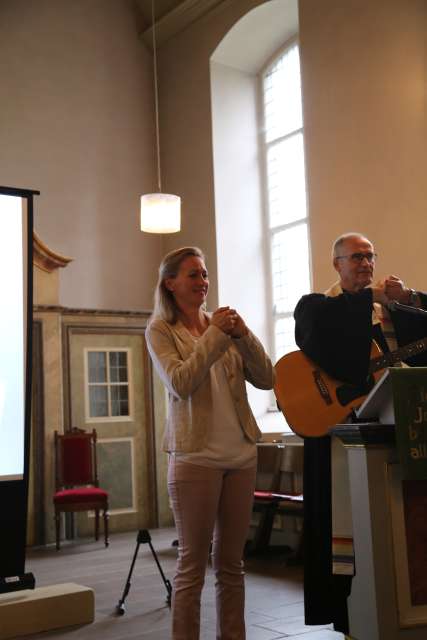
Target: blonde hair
164, 302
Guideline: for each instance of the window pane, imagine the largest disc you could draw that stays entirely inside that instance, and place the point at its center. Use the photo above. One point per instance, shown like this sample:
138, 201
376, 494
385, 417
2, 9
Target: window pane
118, 366
114, 358
282, 96
97, 366
119, 400
284, 336
98, 401
286, 181
290, 267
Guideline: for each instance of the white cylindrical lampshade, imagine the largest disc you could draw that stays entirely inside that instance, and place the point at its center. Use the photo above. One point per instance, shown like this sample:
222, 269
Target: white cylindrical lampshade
160, 213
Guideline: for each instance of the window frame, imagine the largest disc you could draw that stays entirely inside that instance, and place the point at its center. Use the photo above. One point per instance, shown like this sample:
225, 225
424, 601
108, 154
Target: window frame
270, 232
109, 418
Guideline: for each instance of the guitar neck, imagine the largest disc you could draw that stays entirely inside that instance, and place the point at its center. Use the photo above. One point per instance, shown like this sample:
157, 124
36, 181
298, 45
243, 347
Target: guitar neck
391, 358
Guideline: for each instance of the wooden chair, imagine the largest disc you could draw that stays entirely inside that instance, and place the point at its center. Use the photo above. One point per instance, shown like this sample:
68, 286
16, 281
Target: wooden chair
267, 481
77, 480
291, 501
276, 491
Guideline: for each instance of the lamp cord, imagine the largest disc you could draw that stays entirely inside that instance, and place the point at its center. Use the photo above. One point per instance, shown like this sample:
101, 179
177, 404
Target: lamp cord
156, 97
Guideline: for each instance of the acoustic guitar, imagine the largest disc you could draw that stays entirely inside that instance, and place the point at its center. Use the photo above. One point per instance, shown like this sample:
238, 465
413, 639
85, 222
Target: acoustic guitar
313, 402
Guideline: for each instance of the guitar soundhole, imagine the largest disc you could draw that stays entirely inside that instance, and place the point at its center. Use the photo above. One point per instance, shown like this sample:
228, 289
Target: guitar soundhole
320, 384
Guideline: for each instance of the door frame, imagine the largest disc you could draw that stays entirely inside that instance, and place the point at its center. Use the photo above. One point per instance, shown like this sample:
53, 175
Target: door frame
115, 323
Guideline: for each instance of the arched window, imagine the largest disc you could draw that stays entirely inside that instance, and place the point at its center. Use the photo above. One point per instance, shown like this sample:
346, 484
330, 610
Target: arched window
286, 203
260, 211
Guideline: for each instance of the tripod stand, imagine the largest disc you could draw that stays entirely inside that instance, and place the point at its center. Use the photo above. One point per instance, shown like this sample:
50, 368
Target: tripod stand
142, 538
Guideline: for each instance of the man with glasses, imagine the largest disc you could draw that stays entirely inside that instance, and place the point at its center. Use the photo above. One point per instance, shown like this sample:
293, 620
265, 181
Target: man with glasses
335, 330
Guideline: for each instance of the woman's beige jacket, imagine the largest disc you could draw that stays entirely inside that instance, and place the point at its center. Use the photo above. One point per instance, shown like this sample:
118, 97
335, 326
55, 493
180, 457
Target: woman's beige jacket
183, 364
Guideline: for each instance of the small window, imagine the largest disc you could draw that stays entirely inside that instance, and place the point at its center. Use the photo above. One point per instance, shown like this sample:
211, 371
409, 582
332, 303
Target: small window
107, 389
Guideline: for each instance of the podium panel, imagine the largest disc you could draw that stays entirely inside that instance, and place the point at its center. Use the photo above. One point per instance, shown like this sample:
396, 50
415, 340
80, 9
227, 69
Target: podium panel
408, 508
386, 601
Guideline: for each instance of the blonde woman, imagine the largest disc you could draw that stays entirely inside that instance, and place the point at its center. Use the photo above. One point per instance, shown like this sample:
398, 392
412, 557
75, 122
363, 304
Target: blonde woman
204, 360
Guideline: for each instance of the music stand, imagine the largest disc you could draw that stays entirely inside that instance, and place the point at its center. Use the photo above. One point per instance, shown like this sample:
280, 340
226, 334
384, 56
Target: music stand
378, 404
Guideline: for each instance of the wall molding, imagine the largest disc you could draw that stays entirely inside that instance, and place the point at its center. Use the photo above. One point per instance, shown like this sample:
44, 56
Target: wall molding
46, 259
179, 19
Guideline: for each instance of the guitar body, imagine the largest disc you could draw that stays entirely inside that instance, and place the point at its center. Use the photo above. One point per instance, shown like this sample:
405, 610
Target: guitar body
311, 401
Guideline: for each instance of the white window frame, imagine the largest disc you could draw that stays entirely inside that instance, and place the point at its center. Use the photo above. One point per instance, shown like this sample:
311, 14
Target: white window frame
108, 384
273, 316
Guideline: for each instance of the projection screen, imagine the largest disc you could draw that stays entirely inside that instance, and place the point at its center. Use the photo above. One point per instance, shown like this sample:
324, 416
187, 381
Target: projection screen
13, 335
16, 228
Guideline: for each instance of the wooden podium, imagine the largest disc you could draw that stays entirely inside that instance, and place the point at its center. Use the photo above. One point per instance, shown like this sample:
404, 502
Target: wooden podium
388, 599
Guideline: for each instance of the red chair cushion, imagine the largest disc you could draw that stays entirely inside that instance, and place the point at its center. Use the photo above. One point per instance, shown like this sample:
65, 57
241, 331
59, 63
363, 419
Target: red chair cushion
83, 494
263, 495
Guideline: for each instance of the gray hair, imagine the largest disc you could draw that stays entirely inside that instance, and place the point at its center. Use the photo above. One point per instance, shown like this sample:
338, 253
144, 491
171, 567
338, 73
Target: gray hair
337, 246
164, 302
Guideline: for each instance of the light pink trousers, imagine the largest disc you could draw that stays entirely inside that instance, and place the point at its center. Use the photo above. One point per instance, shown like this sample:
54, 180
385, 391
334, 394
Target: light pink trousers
210, 505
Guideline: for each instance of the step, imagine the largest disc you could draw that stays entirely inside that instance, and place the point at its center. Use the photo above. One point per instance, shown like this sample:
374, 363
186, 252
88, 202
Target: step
45, 608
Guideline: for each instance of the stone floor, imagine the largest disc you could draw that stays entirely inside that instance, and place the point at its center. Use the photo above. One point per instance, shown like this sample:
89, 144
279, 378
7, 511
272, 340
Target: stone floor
274, 595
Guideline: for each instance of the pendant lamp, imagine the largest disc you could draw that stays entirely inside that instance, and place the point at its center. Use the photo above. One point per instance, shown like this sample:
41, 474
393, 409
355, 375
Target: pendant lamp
160, 212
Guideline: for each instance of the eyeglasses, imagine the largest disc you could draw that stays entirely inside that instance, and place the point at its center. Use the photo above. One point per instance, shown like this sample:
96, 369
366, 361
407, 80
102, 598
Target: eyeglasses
360, 257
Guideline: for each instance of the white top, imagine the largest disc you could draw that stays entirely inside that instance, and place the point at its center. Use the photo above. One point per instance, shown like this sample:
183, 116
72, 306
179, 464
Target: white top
226, 446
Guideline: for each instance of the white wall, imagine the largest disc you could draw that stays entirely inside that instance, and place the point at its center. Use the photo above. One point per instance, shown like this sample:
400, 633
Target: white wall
77, 123
364, 72
186, 127
238, 204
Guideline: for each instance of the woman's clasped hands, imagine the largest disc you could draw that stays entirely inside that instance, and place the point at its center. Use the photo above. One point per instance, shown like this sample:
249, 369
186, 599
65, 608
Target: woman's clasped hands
229, 321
